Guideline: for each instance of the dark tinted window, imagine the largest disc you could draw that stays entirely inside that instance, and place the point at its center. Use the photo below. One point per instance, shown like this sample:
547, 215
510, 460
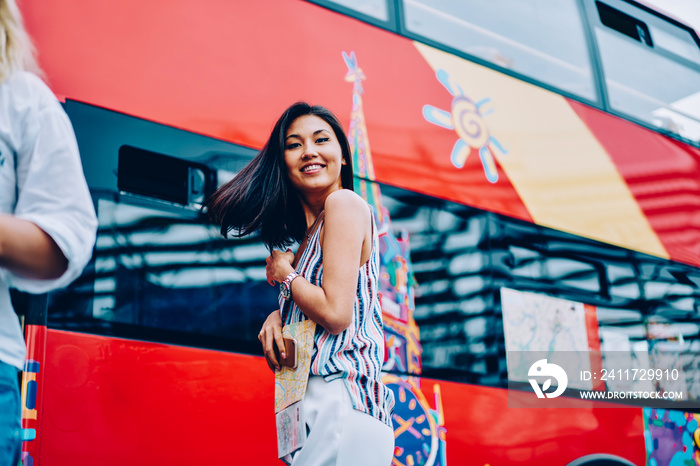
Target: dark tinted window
466, 260
159, 271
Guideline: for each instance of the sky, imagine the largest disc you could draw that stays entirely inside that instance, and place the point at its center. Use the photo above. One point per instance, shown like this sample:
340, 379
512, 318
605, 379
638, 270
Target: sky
686, 10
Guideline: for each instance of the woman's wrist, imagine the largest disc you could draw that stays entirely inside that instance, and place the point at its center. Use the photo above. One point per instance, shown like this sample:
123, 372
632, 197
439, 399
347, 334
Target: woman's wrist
286, 285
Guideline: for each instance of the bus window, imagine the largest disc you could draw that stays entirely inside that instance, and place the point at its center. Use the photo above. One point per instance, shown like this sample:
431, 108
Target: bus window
543, 40
453, 301
159, 271
465, 260
376, 9
168, 271
651, 67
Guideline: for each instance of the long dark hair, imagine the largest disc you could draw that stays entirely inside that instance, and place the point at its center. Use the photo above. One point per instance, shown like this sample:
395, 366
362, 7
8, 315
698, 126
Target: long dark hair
261, 197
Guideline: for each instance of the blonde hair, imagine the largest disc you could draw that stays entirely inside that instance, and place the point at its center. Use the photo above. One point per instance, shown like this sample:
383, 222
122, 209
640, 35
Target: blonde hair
16, 49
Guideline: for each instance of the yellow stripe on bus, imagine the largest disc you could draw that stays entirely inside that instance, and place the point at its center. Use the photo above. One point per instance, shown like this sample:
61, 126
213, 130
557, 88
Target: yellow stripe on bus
560, 171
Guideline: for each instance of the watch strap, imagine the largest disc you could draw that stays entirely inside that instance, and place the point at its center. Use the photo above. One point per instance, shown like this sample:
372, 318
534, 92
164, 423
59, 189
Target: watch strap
287, 283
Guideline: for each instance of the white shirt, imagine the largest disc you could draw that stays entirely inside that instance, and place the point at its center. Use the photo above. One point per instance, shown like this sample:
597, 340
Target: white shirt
42, 181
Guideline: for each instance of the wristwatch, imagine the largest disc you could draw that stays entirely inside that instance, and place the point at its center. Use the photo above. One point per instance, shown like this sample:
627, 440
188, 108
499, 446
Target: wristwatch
286, 285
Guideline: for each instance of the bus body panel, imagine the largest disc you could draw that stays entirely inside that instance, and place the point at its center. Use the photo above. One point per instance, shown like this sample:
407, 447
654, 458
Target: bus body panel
486, 429
33, 390
113, 401
663, 175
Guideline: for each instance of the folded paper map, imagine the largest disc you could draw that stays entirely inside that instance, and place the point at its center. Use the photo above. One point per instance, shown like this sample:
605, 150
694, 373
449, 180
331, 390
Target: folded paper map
290, 384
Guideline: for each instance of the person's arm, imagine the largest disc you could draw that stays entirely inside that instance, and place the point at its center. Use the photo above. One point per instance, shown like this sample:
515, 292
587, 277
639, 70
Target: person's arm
49, 237
346, 225
27, 250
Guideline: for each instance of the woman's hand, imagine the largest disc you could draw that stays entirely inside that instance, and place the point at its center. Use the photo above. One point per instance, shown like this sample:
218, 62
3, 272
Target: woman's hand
346, 241
278, 266
270, 336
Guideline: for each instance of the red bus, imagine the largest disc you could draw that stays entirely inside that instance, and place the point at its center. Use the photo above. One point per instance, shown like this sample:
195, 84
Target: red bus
536, 169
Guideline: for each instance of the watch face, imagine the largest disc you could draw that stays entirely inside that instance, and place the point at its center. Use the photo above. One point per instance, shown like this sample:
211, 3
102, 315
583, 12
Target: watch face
284, 290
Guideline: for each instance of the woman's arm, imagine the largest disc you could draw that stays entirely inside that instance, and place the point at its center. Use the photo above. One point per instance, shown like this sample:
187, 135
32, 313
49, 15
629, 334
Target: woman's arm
346, 226
27, 250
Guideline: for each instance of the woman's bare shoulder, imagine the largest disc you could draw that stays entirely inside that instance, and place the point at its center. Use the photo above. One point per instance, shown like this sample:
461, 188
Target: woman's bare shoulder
344, 207
345, 200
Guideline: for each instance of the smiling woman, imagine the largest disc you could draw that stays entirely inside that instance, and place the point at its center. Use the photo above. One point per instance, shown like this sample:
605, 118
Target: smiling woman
299, 189
261, 196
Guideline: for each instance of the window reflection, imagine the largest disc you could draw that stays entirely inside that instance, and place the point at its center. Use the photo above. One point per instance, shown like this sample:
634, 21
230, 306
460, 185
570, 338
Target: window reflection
543, 40
658, 84
374, 8
462, 265
161, 270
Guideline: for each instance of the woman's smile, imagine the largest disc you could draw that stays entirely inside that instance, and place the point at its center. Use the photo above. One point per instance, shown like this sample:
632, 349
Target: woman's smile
312, 168
313, 156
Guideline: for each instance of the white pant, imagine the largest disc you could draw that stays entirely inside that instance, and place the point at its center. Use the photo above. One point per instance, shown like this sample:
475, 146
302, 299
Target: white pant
338, 434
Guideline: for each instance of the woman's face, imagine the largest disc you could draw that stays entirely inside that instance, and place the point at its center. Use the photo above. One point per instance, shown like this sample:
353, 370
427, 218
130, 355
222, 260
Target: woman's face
313, 155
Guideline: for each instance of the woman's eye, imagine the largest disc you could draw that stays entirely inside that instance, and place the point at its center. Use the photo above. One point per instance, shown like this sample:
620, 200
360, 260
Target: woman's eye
322, 140
293, 145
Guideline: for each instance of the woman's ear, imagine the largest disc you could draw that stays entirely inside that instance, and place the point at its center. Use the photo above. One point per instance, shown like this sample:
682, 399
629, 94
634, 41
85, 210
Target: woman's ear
344, 161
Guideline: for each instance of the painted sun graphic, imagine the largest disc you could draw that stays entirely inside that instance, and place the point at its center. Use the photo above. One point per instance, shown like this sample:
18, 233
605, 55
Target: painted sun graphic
466, 118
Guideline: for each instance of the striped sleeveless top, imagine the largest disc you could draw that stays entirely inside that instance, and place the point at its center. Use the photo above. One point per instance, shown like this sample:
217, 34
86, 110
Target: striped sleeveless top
356, 354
